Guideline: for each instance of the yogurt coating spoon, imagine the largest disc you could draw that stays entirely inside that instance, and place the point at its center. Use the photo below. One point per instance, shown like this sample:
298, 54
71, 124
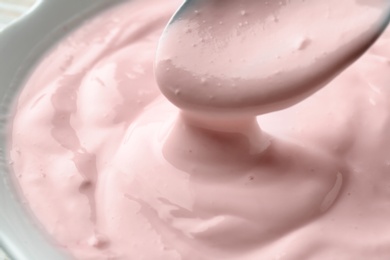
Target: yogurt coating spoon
249, 57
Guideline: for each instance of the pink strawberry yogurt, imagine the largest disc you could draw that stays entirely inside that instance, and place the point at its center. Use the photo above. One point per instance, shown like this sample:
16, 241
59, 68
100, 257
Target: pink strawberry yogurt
112, 170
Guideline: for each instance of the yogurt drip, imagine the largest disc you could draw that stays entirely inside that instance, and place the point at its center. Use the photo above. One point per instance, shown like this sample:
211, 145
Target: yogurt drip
113, 171
225, 62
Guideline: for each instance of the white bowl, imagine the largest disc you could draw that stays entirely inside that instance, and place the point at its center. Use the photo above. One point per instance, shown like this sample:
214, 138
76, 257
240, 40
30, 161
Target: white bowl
22, 45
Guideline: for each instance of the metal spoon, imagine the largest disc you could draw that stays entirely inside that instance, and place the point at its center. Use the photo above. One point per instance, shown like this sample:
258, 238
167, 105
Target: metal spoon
248, 57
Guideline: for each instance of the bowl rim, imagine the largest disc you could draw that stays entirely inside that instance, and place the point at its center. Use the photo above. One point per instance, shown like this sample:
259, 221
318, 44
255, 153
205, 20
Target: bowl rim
22, 44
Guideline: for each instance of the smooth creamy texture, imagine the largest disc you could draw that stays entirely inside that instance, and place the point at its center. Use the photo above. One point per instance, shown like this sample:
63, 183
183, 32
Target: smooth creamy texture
248, 57
113, 171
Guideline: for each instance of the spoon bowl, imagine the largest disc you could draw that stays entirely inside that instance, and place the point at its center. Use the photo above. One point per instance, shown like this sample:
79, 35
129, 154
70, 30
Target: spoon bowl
249, 57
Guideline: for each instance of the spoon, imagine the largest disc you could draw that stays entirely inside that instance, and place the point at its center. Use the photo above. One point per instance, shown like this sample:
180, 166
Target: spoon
249, 57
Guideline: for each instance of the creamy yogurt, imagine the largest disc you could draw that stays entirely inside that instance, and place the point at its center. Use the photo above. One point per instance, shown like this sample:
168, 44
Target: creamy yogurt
112, 170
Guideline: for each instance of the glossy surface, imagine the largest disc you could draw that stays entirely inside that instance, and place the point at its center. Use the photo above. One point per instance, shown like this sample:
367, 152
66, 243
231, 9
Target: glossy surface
250, 57
113, 171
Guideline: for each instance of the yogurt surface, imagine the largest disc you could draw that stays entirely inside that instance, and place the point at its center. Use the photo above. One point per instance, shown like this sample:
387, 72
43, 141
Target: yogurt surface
112, 170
